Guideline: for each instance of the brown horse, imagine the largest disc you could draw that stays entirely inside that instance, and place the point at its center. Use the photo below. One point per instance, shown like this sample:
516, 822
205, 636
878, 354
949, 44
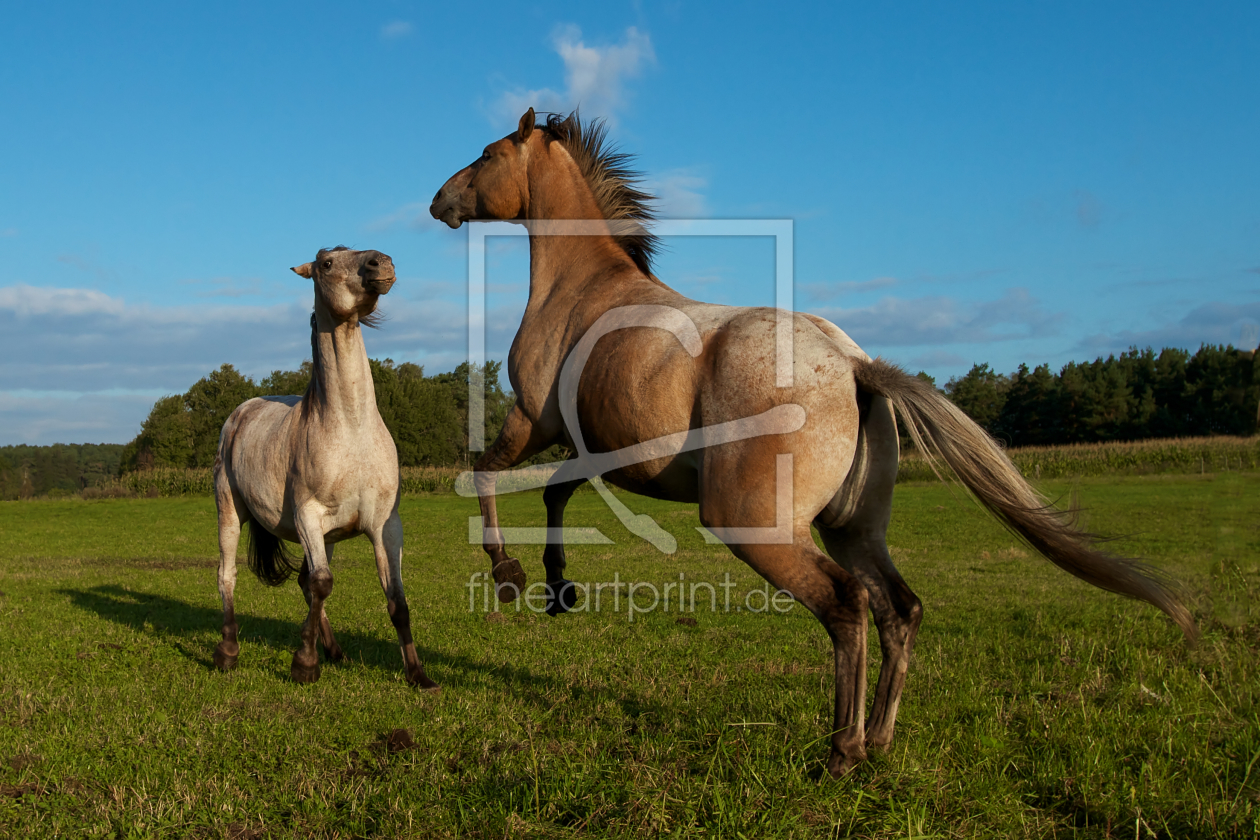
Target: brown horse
317, 469
685, 380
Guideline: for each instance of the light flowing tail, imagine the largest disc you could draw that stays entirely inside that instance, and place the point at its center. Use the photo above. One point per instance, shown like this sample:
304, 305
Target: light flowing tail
940, 430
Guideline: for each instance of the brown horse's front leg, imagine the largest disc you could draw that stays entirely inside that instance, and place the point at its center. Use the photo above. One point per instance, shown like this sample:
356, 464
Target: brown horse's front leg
518, 440
561, 595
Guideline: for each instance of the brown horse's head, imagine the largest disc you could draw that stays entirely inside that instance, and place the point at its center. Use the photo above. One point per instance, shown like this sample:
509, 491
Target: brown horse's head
495, 185
350, 282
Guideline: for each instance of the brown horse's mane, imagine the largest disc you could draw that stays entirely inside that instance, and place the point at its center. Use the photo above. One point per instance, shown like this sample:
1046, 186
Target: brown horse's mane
612, 181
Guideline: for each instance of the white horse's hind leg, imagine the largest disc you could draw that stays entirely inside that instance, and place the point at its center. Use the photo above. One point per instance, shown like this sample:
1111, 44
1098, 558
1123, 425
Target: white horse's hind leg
332, 650
227, 651
305, 668
387, 546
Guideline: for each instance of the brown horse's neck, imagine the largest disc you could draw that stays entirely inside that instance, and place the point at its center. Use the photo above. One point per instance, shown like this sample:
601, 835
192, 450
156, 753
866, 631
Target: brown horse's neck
341, 390
557, 191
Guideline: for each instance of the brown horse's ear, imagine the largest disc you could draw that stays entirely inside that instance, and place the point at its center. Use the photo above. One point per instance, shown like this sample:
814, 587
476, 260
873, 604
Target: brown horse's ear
526, 125
304, 270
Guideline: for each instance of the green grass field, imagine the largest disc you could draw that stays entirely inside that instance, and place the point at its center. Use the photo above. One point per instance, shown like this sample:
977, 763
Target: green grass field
1036, 706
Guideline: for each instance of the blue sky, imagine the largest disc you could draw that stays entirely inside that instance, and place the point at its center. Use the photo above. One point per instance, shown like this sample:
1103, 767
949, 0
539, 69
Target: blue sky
995, 183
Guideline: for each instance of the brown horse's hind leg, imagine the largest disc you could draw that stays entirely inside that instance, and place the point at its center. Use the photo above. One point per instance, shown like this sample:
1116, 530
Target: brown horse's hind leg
387, 547
518, 440
839, 601
227, 651
332, 650
898, 613
561, 595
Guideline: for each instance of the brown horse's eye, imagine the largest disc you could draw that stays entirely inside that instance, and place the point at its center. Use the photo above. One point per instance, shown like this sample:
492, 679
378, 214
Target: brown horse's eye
327, 264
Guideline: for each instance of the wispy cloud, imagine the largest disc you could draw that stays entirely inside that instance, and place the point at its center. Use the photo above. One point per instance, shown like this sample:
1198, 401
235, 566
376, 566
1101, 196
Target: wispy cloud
414, 215
1215, 322
594, 77
7, 233
87, 265
1089, 209
679, 194
831, 291
928, 321
395, 30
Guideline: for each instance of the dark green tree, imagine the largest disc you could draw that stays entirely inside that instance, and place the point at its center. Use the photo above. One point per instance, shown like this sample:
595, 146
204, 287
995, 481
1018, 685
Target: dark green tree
209, 401
981, 394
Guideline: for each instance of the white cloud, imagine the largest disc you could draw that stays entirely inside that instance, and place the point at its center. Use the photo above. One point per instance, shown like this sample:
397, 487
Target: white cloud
396, 29
594, 77
76, 364
26, 301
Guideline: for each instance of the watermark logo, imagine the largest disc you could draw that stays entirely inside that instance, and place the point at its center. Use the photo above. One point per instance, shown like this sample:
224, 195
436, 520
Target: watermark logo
635, 598
781, 419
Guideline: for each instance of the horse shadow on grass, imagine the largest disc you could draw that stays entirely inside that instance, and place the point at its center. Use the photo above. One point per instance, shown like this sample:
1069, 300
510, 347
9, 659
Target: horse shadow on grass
184, 626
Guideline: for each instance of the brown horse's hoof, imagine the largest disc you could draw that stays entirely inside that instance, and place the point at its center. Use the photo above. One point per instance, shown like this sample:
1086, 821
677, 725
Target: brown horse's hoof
304, 673
561, 596
223, 660
334, 654
419, 679
509, 579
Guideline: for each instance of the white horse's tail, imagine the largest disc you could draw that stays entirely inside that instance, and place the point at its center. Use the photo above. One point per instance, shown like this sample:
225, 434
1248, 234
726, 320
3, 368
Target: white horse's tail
941, 431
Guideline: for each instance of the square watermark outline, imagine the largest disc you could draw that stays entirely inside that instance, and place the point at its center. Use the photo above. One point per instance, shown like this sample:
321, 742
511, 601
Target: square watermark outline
781, 230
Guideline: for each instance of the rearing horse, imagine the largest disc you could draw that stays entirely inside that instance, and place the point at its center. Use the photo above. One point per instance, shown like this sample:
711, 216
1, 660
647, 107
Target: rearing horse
643, 383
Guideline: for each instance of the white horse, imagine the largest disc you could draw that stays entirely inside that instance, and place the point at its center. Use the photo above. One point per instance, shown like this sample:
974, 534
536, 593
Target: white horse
317, 469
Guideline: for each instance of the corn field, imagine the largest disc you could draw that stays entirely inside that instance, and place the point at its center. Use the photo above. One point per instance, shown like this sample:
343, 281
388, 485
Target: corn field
1176, 455
1143, 457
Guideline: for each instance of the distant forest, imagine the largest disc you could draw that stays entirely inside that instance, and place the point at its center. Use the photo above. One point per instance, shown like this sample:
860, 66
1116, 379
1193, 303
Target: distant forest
1134, 396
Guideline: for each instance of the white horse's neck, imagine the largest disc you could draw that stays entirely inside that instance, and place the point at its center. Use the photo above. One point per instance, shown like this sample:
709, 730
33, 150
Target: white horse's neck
341, 391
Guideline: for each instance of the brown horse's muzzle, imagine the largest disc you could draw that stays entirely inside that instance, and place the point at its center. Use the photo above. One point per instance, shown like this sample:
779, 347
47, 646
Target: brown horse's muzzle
449, 204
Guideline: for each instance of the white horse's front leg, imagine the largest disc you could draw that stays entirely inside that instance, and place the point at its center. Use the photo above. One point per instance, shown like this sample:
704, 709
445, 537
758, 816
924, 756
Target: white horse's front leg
387, 546
229, 649
319, 586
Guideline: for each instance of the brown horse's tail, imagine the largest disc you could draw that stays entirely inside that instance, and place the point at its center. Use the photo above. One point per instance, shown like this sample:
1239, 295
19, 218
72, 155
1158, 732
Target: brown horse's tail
268, 557
940, 430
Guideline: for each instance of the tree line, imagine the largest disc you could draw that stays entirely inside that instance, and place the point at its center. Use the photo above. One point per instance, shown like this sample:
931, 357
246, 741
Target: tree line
426, 415
1137, 395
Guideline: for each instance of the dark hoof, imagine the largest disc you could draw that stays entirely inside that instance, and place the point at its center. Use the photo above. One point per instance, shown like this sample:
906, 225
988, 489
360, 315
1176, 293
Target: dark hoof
304, 673
224, 661
334, 654
420, 680
840, 766
509, 579
567, 596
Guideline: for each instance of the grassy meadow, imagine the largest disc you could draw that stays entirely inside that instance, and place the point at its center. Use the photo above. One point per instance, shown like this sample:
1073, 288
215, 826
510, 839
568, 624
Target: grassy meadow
1035, 707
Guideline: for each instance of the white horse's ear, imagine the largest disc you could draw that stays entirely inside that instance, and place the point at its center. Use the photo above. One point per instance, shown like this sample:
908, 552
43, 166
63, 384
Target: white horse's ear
304, 270
526, 126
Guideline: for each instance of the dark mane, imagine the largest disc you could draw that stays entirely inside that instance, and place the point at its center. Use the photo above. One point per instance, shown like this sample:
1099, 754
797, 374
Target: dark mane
612, 181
